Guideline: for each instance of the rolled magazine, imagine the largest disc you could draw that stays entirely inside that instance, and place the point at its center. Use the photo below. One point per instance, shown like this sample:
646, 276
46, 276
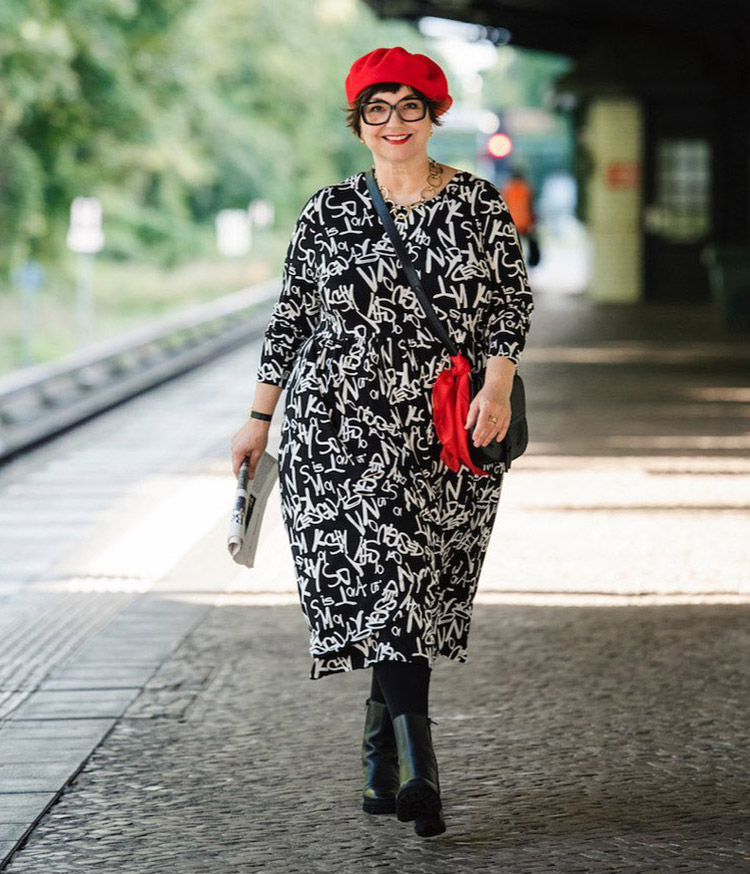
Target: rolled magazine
249, 506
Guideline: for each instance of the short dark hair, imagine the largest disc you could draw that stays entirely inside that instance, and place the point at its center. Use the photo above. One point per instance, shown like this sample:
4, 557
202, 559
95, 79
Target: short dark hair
354, 119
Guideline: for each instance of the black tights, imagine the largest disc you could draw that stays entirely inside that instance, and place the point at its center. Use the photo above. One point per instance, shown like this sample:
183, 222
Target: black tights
403, 686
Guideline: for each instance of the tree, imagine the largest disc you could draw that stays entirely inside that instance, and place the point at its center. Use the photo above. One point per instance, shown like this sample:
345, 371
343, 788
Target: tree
79, 102
170, 110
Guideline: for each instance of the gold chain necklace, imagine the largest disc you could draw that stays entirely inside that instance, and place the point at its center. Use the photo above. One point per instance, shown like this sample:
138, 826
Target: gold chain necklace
403, 210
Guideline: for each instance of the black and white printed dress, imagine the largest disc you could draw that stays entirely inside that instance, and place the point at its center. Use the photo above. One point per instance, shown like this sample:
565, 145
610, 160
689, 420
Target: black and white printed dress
388, 543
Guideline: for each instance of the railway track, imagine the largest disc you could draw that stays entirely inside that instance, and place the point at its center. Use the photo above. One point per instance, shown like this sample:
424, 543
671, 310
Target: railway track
40, 401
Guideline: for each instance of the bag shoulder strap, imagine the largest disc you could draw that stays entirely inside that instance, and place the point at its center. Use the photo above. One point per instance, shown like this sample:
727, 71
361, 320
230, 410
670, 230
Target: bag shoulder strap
406, 263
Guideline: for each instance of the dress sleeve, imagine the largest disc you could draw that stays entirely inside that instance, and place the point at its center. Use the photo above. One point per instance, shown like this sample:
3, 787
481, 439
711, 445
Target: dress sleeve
295, 313
511, 301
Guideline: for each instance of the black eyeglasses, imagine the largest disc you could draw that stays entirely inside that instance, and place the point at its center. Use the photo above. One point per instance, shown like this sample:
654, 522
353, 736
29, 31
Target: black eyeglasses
380, 111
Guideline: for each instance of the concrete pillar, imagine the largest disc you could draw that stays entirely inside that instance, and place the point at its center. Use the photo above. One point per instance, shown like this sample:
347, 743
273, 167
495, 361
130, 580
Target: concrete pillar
614, 135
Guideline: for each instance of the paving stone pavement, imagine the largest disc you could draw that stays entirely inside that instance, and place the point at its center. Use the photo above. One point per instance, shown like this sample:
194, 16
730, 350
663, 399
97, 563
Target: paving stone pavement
599, 726
576, 739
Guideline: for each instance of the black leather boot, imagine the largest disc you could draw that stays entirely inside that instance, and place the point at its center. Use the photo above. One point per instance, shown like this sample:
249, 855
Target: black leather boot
430, 826
418, 796
379, 760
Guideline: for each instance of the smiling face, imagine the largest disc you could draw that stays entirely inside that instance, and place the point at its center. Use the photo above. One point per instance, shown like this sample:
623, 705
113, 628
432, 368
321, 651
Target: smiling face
397, 140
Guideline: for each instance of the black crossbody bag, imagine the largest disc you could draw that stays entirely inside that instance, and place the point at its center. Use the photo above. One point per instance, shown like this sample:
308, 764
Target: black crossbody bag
517, 438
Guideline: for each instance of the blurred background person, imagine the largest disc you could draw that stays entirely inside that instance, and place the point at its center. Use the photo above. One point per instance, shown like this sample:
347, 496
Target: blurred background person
519, 197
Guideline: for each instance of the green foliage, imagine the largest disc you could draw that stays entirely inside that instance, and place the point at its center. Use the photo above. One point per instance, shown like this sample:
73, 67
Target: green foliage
79, 96
522, 77
170, 110
272, 119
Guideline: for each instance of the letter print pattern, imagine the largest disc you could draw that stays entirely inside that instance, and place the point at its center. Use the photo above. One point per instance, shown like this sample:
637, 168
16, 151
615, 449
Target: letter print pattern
387, 542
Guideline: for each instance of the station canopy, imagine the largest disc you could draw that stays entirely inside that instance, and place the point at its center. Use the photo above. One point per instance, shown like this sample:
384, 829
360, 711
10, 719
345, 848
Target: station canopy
572, 27
653, 48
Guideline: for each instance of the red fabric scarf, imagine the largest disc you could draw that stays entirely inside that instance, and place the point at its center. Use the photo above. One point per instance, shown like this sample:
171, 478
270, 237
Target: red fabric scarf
451, 396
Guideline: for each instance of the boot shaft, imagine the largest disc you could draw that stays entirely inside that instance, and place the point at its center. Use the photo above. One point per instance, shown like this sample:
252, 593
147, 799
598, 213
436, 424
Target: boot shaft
416, 756
379, 760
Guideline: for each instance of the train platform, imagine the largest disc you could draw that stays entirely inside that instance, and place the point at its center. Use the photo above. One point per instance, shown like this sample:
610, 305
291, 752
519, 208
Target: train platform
155, 709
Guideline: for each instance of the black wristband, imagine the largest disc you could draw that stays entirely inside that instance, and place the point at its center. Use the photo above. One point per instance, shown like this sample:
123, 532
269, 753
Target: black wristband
266, 417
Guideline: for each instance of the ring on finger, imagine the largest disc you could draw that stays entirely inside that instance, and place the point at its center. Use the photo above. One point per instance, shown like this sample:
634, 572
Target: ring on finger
492, 419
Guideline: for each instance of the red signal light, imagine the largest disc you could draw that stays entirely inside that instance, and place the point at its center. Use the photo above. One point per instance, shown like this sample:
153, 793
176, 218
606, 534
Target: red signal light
499, 145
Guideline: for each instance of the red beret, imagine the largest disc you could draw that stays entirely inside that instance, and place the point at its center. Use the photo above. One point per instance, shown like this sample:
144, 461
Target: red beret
398, 65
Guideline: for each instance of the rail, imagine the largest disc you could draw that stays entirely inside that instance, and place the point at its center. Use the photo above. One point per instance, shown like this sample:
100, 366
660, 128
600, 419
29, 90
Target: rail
40, 401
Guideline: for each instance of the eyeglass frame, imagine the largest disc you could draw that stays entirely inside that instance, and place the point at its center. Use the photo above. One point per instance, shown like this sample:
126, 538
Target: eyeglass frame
393, 106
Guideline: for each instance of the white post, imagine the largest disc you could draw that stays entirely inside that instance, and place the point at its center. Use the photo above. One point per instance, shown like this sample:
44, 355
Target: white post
85, 238
233, 233
84, 297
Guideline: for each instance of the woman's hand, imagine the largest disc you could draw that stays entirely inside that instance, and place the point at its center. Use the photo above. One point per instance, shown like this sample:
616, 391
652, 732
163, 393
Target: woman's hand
249, 442
489, 403
492, 402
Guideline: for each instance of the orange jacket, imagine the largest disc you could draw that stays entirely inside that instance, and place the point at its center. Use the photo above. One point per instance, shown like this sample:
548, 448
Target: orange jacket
518, 196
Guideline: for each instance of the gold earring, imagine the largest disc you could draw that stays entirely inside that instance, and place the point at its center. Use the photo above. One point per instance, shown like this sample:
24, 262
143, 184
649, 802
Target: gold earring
432, 132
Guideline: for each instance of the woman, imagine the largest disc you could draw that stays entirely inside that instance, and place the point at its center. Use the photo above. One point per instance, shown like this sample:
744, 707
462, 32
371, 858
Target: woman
388, 543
